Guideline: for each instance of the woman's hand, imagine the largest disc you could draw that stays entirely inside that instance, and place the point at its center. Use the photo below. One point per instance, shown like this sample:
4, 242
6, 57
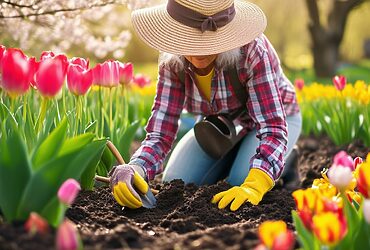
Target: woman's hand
124, 181
252, 190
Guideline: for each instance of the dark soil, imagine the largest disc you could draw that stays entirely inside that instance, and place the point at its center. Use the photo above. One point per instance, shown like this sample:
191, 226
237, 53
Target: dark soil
184, 217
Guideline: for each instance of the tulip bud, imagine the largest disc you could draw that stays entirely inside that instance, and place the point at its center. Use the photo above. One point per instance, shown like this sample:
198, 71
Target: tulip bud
49, 78
67, 236
284, 241
367, 210
79, 79
2, 50
46, 54
343, 159
329, 227
84, 63
269, 230
363, 179
340, 177
125, 73
107, 74
67, 193
299, 83
17, 72
339, 82
36, 224
141, 80
358, 160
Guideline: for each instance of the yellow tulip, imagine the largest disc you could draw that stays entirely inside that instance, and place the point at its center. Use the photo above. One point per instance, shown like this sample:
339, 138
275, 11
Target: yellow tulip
269, 230
329, 227
363, 177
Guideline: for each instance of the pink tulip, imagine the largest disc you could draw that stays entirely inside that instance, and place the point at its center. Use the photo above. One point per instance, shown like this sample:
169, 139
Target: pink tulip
79, 79
2, 51
36, 224
67, 236
299, 83
141, 80
50, 76
46, 54
125, 73
17, 72
343, 159
367, 210
84, 63
107, 74
339, 82
68, 192
340, 176
284, 241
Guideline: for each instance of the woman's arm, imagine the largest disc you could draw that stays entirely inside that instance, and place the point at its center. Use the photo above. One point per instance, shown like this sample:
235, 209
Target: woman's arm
266, 109
162, 125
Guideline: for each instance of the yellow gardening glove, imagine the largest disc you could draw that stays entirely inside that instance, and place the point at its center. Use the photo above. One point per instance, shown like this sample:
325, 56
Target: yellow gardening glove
124, 182
253, 189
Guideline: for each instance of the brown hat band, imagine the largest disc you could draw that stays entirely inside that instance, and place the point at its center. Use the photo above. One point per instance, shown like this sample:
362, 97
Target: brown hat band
197, 20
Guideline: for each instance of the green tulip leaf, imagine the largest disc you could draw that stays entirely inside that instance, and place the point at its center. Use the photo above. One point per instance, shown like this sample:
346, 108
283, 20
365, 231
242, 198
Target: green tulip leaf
15, 173
49, 148
127, 138
76, 143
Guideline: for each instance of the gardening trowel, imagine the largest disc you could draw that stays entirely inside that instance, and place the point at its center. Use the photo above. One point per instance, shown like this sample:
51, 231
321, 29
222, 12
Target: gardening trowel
148, 199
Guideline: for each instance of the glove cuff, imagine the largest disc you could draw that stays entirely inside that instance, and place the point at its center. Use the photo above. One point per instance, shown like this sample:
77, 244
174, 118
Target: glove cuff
141, 171
258, 180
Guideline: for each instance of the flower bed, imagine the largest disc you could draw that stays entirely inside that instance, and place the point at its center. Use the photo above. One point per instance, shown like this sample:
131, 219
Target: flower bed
184, 217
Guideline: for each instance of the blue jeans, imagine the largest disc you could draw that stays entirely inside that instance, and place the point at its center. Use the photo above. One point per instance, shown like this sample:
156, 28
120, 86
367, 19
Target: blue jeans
190, 163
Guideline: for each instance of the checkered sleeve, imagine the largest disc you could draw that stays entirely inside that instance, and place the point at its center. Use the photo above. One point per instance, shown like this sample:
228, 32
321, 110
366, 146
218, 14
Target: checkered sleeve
162, 125
267, 111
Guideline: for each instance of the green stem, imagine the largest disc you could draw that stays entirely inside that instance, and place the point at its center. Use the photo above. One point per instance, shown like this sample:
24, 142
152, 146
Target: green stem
24, 109
41, 118
12, 105
64, 102
101, 110
58, 111
110, 112
125, 107
78, 114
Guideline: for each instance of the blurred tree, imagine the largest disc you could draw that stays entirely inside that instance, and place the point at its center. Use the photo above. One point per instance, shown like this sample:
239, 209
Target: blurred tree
67, 24
327, 35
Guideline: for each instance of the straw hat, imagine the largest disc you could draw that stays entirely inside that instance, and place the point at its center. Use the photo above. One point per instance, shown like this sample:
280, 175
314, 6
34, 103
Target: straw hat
199, 27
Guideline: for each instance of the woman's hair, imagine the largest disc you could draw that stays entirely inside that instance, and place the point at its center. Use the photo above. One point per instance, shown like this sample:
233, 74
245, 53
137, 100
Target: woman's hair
177, 62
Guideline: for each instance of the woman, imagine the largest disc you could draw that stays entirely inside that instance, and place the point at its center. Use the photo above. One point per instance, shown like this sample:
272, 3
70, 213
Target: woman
202, 40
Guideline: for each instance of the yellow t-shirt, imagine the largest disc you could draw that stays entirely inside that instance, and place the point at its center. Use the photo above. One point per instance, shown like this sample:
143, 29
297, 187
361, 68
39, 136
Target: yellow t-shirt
204, 83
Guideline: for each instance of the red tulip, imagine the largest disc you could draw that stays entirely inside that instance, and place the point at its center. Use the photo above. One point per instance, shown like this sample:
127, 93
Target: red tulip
126, 73
67, 236
339, 82
84, 63
358, 160
50, 76
36, 224
284, 241
299, 83
17, 72
141, 80
107, 74
46, 54
68, 191
79, 79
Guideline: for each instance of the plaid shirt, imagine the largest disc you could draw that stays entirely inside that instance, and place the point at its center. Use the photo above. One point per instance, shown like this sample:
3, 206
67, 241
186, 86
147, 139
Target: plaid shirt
270, 97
